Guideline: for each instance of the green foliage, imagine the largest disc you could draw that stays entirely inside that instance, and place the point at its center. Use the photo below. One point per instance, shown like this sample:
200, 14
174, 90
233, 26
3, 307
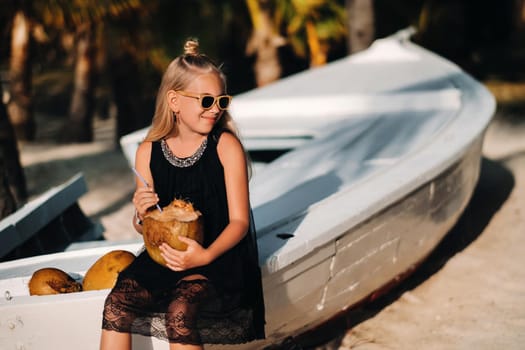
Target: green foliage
328, 17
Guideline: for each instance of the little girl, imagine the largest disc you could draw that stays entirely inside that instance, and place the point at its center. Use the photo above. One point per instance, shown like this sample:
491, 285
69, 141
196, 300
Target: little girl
210, 293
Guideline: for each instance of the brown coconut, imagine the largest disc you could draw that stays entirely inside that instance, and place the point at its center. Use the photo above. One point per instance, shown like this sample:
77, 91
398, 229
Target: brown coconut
179, 218
50, 280
104, 272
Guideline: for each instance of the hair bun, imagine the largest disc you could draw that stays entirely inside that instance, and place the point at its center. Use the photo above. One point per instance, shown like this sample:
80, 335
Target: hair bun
191, 47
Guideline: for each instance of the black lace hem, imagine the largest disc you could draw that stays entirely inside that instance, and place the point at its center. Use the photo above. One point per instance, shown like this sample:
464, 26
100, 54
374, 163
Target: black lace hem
129, 308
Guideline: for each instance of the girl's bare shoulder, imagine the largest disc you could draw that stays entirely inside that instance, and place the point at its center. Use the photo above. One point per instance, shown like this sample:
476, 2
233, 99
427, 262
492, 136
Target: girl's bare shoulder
228, 140
144, 148
228, 143
143, 154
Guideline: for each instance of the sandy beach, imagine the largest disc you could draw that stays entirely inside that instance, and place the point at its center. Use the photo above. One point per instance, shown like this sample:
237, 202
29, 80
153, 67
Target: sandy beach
469, 294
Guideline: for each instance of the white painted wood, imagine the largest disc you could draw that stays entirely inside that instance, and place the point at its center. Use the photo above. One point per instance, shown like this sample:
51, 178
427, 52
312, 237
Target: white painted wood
24, 223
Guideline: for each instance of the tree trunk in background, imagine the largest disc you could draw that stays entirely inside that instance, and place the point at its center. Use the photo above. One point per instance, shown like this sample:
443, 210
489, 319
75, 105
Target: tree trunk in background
20, 105
264, 43
442, 28
361, 24
79, 128
519, 17
12, 179
521, 11
7, 201
123, 69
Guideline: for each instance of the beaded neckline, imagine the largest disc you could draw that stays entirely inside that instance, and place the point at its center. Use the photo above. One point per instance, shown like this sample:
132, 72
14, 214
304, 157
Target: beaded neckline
183, 162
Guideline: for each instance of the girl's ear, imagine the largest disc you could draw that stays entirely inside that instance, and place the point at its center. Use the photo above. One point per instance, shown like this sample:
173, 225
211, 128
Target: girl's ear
173, 101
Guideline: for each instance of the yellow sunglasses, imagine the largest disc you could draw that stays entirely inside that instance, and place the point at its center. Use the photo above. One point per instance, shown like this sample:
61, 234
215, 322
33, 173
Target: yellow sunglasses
207, 101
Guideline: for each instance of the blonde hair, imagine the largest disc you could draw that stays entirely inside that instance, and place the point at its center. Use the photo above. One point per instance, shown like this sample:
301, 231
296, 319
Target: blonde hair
180, 72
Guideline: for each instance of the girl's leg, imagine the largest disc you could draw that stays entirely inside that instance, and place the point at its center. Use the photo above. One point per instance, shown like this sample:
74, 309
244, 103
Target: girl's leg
120, 311
181, 319
185, 347
111, 340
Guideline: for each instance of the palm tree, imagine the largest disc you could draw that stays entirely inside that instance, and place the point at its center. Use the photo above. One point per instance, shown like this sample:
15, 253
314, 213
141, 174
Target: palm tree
7, 201
12, 180
125, 54
20, 105
81, 109
264, 42
312, 27
437, 20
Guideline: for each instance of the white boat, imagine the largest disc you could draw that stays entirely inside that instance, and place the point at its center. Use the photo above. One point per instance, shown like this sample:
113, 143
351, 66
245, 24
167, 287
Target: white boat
388, 155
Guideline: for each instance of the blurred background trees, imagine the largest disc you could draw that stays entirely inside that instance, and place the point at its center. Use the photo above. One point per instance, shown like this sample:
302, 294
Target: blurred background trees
77, 60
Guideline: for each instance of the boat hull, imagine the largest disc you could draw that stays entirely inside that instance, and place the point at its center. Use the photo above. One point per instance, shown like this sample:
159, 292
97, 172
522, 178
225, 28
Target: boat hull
372, 255
338, 276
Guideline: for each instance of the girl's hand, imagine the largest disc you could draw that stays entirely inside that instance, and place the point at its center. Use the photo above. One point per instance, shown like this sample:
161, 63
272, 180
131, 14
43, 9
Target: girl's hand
143, 199
194, 256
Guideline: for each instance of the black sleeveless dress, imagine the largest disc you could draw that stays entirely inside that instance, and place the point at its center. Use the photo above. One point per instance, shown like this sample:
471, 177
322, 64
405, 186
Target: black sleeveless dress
227, 307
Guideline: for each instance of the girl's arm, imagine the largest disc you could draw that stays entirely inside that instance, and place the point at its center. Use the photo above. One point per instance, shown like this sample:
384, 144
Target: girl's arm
144, 197
233, 161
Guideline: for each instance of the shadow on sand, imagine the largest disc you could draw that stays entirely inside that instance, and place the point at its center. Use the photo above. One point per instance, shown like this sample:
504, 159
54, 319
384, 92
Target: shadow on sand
493, 189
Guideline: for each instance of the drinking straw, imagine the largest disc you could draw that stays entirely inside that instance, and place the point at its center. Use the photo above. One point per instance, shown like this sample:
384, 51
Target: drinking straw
145, 184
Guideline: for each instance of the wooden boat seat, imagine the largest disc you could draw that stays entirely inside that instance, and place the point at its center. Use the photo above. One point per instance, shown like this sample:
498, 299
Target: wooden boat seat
48, 223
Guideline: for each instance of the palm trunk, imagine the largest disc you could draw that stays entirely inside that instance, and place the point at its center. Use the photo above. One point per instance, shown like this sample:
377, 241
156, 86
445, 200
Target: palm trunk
361, 24
133, 109
20, 106
264, 43
519, 16
7, 201
79, 127
124, 73
12, 180
518, 28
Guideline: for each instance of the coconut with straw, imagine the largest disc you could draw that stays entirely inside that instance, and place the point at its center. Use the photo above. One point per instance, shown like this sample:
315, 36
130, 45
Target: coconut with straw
179, 218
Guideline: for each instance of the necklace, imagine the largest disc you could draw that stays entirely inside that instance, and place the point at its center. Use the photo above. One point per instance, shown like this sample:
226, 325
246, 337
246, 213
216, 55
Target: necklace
183, 162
